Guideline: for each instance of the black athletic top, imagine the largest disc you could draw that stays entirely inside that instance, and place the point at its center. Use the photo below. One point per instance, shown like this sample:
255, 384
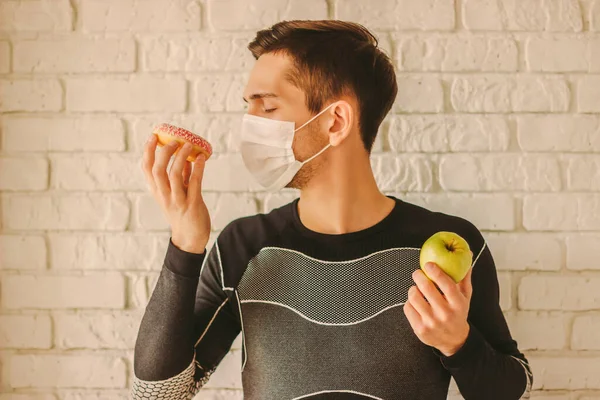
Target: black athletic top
321, 315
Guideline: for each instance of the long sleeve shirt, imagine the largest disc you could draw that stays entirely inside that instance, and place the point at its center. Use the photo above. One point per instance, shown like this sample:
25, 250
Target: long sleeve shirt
320, 315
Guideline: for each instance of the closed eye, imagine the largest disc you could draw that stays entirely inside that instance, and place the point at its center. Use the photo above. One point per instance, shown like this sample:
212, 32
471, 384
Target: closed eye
270, 110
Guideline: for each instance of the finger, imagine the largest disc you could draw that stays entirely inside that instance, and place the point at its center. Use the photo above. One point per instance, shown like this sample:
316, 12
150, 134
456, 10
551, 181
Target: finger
430, 291
413, 317
187, 171
466, 286
148, 161
444, 282
419, 303
159, 171
195, 188
176, 174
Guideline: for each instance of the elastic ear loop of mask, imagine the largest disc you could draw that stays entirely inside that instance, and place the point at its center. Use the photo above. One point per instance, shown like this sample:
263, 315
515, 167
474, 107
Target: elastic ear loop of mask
308, 122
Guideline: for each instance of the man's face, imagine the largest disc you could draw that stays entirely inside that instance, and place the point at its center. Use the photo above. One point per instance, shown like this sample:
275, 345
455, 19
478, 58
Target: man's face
270, 95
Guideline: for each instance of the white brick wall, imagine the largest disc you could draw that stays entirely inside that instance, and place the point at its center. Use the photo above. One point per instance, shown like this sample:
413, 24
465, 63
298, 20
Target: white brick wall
497, 119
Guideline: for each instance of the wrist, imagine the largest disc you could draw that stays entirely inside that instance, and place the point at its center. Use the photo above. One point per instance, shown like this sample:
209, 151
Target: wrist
195, 247
455, 347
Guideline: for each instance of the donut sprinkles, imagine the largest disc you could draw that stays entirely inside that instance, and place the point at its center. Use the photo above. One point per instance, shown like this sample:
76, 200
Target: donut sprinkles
184, 134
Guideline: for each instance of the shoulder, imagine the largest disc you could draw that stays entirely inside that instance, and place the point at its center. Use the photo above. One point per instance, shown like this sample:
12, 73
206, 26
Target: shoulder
429, 222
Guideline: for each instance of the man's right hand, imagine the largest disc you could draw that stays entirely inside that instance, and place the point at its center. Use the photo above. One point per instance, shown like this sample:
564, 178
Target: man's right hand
179, 193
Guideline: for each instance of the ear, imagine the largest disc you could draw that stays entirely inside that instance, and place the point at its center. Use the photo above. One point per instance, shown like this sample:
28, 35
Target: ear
342, 119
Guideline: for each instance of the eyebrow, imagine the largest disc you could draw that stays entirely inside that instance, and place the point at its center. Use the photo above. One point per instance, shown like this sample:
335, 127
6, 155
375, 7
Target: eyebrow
256, 96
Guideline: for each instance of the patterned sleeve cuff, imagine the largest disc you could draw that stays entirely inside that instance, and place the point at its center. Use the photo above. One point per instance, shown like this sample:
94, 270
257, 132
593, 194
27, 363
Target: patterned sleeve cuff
183, 263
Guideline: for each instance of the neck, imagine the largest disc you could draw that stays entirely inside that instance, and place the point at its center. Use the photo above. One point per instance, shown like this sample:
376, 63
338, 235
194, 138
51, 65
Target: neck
345, 199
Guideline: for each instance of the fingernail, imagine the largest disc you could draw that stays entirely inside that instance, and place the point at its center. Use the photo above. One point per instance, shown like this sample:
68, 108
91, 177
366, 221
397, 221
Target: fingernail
187, 146
201, 157
429, 267
174, 143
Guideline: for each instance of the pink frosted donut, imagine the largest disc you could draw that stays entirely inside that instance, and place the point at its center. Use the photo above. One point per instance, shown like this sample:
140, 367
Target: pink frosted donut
167, 133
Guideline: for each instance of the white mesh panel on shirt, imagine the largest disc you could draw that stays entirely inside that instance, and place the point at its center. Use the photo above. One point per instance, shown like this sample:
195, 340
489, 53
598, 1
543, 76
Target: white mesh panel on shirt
180, 387
330, 292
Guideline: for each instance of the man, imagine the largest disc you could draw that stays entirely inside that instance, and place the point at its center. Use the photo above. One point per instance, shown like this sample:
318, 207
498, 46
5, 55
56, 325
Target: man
326, 290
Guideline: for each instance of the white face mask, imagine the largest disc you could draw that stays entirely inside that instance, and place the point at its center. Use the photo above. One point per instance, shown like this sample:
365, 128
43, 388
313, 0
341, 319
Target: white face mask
266, 147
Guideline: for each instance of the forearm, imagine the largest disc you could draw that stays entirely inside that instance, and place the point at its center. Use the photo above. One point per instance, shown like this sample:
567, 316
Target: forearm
165, 341
481, 372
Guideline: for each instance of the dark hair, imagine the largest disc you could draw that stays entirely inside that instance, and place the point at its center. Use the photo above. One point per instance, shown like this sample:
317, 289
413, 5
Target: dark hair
333, 58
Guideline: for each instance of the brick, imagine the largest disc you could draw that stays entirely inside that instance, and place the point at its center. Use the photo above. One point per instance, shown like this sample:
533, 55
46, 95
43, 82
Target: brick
148, 215
594, 16
582, 172
559, 293
237, 343
23, 173
97, 172
272, 201
399, 14
107, 252
219, 93
25, 332
195, 53
550, 372
220, 130
552, 395
222, 394
561, 212
74, 54
63, 371
557, 54
566, 133
227, 173
113, 394
222, 209
419, 94
443, 133
475, 208
523, 15
36, 15
538, 330
47, 292
502, 172
133, 94
493, 93
139, 289
455, 53
581, 250
4, 57
22, 252
21, 396
66, 212
94, 331
594, 54
230, 206
585, 333
526, 251
504, 281
588, 94
140, 16
233, 15
30, 95
23, 134
412, 173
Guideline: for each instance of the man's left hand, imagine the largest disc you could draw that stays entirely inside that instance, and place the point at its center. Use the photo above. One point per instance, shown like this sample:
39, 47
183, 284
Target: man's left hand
439, 319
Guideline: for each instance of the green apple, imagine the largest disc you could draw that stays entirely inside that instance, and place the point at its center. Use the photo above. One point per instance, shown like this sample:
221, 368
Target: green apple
450, 252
